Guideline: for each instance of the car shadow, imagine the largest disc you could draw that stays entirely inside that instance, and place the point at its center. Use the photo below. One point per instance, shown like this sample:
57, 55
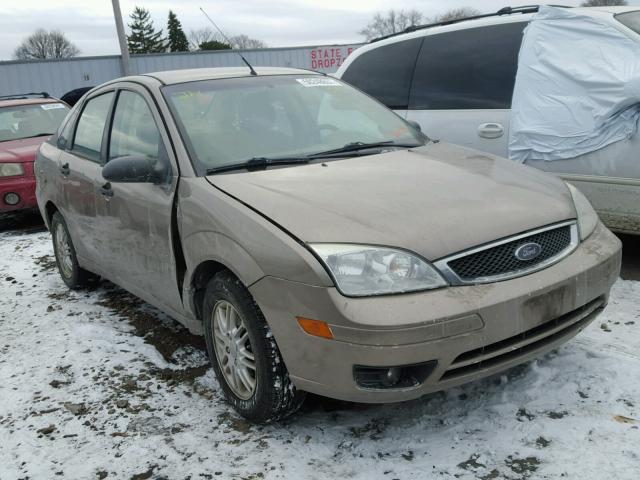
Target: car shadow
19, 223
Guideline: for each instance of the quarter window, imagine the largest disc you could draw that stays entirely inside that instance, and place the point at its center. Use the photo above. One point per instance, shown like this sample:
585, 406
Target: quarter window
88, 138
630, 20
134, 131
385, 72
467, 69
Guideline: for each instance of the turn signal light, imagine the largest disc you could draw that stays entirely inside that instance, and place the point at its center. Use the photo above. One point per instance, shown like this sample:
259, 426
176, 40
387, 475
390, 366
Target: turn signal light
316, 328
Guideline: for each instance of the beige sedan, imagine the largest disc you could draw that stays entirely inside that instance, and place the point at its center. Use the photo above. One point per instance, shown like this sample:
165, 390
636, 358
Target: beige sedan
320, 242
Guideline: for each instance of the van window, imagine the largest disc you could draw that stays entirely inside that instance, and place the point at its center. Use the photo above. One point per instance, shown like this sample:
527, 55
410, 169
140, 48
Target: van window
385, 72
630, 20
467, 69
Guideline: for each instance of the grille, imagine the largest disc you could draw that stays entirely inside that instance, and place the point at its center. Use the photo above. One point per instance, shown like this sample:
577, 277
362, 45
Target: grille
501, 259
524, 343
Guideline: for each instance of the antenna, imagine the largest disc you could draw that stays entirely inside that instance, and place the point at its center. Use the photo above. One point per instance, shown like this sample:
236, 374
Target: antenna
253, 72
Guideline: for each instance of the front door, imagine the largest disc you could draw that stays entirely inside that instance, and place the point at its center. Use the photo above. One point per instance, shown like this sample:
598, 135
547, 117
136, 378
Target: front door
136, 218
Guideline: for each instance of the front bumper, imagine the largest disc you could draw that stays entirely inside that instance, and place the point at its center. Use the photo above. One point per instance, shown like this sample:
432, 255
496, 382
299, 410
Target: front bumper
471, 331
23, 186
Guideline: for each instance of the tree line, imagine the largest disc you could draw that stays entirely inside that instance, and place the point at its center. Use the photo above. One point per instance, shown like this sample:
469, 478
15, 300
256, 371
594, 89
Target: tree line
144, 37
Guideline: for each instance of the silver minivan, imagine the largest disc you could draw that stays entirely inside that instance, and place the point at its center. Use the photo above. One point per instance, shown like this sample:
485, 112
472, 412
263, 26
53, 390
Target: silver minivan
457, 79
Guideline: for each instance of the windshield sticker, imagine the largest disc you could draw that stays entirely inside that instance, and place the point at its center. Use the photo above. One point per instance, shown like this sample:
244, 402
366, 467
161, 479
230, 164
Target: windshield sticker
51, 106
318, 82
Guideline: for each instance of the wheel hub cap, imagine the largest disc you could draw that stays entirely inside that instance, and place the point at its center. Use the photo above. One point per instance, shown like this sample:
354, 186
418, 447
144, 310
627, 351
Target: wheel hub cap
63, 251
233, 350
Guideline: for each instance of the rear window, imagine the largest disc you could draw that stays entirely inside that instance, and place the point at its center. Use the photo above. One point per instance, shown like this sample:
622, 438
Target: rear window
468, 69
385, 72
630, 20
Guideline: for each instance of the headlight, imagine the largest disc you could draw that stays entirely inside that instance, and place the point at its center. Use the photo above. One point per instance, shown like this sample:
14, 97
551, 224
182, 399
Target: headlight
360, 270
587, 216
11, 169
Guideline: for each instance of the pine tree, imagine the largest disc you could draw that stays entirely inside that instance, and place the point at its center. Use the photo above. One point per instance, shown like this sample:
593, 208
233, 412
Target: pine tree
177, 39
144, 38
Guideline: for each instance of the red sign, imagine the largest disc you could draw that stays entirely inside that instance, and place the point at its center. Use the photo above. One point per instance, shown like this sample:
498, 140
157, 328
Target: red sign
329, 58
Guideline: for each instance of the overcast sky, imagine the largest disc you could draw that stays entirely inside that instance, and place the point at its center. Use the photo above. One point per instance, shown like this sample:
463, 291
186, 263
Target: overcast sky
89, 23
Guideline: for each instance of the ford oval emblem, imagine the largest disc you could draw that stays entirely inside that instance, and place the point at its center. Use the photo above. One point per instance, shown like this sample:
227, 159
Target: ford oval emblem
528, 251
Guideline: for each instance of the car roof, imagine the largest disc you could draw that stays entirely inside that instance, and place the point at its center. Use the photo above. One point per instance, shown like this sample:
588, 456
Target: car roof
523, 15
172, 77
15, 102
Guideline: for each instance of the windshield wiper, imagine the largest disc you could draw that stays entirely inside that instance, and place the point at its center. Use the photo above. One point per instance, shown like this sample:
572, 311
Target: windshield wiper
357, 146
257, 163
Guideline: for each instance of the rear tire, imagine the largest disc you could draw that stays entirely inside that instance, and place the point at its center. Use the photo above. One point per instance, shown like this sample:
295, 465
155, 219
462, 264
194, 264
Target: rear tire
73, 275
262, 392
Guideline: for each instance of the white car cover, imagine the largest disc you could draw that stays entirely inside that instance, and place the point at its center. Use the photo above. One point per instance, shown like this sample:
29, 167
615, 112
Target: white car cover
577, 89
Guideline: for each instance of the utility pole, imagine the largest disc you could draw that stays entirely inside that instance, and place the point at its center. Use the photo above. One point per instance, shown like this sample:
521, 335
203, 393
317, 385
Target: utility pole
122, 39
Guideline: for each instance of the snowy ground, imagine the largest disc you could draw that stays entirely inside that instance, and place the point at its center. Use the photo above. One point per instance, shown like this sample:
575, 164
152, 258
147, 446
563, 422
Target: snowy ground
99, 385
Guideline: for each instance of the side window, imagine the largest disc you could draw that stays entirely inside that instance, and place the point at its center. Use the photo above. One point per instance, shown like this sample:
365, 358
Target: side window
385, 72
134, 131
88, 138
468, 69
630, 20
66, 128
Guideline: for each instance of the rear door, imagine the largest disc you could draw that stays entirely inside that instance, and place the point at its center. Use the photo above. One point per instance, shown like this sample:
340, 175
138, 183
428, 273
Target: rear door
135, 219
79, 164
463, 84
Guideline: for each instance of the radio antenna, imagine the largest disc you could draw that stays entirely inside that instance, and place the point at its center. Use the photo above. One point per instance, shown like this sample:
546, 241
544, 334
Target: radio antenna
253, 72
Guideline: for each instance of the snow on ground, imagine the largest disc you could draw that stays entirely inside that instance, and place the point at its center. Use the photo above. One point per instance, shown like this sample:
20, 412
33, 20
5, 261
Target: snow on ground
99, 385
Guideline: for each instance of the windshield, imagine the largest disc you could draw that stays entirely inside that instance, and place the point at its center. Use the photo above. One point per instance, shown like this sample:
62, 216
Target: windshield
229, 121
25, 121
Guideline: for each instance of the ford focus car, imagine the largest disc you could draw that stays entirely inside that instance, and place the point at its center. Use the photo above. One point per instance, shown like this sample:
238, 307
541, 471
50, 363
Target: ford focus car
25, 122
319, 242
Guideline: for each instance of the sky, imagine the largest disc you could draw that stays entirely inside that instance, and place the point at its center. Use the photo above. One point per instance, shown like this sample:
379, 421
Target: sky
89, 24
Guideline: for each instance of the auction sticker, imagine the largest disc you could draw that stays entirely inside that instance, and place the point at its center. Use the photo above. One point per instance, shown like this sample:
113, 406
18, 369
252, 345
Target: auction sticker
318, 82
51, 106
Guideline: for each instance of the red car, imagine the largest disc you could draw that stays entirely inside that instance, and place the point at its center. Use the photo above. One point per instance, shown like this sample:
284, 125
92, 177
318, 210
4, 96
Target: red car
26, 121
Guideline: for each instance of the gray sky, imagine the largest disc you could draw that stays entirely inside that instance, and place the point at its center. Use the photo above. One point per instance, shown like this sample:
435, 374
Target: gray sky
89, 23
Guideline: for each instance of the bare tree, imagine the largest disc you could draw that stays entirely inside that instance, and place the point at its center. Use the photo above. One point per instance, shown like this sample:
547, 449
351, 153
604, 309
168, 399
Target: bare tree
455, 14
43, 44
603, 3
208, 36
202, 35
244, 42
393, 21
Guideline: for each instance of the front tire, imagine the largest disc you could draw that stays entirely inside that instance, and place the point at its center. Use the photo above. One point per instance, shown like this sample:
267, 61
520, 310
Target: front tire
244, 353
73, 275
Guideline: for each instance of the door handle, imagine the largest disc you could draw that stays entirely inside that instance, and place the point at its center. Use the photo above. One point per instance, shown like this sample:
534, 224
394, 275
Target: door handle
490, 130
64, 170
106, 191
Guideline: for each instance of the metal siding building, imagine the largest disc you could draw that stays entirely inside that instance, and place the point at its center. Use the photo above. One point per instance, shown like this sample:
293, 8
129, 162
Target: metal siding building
59, 76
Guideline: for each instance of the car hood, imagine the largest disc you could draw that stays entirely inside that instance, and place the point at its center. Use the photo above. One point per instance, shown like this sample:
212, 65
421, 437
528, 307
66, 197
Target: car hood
20, 150
434, 200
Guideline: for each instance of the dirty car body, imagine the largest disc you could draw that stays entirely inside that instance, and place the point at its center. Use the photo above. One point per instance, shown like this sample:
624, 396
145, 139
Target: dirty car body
24, 124
384, 269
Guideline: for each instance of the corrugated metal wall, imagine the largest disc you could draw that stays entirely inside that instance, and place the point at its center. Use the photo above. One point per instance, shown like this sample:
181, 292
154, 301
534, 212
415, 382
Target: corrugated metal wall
59, 76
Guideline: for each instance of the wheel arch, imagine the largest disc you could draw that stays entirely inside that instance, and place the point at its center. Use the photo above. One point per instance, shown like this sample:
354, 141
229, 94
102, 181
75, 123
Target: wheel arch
50, 208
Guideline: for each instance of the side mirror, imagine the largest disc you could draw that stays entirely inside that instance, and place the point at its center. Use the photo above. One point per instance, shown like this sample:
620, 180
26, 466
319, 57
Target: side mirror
134, 169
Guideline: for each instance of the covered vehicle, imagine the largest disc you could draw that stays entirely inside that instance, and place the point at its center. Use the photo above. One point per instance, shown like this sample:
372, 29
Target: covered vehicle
25, 122
555, 88
319, 241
